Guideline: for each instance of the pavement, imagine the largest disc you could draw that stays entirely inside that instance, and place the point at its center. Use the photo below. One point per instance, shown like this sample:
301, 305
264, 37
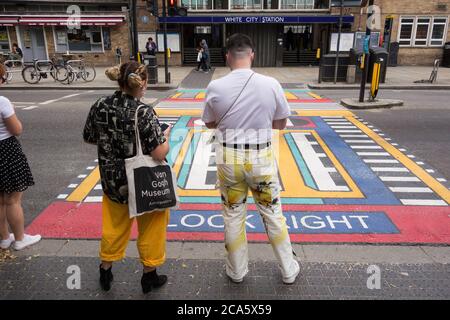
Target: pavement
398, 78
356, 200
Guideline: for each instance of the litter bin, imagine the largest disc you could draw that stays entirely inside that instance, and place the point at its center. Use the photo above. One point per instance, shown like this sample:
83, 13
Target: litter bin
393, 54
152, 68
327, 67
378, 54
446, 58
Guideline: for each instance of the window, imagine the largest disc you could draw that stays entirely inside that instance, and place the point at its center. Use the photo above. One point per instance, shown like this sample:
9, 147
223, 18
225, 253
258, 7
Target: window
4, 41
197, 4
438, 32
406, 30
422, 28
86, 39
422, 31
297, 4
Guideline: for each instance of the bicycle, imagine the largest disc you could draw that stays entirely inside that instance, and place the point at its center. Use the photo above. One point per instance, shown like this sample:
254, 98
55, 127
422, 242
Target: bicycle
33, 73
74, 70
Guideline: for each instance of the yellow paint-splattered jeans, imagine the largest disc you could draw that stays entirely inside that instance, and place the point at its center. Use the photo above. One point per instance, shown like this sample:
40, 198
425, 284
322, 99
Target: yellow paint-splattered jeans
238, 171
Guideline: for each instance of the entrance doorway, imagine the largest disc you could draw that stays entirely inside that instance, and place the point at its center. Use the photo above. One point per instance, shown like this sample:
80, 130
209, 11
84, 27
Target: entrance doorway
194, 34
264, 37
32, 43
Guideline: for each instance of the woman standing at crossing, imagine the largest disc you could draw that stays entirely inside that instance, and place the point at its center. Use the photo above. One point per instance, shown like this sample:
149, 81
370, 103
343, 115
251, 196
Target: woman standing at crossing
15, 178
111, 126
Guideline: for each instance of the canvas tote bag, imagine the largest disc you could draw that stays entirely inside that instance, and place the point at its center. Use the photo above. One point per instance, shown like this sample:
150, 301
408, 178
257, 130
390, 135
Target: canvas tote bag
152, 184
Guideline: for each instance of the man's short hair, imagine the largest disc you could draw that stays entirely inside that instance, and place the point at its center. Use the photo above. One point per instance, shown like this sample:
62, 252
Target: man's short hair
239, 43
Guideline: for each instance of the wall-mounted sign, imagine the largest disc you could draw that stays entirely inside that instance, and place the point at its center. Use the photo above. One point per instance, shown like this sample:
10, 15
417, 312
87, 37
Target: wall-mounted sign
256, 19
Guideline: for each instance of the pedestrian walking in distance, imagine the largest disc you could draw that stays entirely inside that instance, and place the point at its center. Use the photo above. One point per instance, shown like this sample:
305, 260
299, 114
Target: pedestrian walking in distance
111, 126
15, 178
244, 107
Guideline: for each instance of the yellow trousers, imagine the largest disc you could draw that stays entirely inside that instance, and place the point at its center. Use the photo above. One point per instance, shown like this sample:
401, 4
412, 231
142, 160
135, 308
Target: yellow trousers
151, 242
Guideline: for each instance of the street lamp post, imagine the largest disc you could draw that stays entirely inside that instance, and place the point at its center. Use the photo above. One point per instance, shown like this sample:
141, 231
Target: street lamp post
336, 65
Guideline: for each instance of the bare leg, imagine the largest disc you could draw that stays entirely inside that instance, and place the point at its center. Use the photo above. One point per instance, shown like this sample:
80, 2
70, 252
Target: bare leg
106, 265
149, 269
14, 214
4, 232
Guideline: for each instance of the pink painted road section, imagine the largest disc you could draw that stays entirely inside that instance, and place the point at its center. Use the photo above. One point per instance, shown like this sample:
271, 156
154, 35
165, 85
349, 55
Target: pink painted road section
414, 224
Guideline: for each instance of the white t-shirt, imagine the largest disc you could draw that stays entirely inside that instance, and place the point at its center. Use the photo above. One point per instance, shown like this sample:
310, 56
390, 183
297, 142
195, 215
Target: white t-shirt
6, 111
250, 119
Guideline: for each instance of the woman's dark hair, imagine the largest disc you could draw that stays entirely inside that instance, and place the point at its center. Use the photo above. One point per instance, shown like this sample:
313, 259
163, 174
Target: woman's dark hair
239, 42
129, 75
15, 45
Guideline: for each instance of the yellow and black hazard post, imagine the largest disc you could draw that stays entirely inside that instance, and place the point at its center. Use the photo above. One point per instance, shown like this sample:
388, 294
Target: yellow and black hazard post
375, 79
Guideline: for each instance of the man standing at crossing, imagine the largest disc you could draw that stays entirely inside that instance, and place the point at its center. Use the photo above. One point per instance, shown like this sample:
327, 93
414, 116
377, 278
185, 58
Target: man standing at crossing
244, 107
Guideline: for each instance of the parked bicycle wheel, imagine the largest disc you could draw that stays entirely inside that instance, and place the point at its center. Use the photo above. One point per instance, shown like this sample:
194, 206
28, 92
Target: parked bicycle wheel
31, 75
62, 74
9, 74
88, 72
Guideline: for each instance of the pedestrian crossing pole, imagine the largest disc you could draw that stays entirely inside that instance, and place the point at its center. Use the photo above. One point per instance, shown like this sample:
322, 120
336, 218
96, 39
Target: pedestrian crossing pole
135, 45
366, 55
166, 57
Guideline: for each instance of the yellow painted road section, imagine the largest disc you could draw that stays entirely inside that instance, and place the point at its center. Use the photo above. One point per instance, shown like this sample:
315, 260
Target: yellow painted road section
417, 170
309, 113
85, 187
201, 95
177, 95
290, 96
315, 96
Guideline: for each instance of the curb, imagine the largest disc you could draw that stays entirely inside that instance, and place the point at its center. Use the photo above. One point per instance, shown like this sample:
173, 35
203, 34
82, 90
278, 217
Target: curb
377, 104
388, 87
157, 88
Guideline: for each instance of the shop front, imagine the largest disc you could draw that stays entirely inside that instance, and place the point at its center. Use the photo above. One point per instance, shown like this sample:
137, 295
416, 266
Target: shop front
92, 37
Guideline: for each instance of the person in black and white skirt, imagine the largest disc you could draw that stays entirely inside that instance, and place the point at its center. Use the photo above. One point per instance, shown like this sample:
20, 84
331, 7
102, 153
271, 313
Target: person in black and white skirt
15, 178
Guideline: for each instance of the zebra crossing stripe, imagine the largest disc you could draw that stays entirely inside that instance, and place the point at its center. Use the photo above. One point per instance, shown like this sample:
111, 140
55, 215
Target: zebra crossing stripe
366, 147
410, 190
400, 179
381, 154
423, 202
380, 161
359, 141
388, 169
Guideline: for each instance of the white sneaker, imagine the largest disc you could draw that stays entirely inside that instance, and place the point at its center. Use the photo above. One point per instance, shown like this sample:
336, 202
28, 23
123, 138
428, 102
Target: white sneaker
5, 244
27, 241
291, 279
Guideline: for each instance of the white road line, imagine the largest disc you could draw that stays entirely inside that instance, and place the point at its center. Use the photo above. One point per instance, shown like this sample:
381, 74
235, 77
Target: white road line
424, 202
429, 170
373, 154
384, 169
441, 180
62, 98
348, 131
90, 168
353, 135
62, 196
402, 150
338, 123
30, 108
15, 102
343, 127
420, 163
93, 199
411, 190
366, 147
72, 186
82, 176
400, 179
321, 155
98, 187
380, 161
394, 144
359, 141
411, 156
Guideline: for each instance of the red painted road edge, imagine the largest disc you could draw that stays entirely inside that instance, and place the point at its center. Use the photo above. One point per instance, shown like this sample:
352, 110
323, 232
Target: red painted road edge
417, 224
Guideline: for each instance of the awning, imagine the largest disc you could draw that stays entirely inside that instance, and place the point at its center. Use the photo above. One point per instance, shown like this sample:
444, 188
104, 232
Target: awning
40, 20
8, 21
257, 19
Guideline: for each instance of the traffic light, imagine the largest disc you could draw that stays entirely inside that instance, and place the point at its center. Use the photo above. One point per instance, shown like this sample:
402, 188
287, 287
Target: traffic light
174, 10
152, 7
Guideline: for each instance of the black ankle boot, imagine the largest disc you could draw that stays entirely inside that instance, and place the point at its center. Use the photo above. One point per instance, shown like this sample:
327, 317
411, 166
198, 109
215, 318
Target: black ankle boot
106, 277
152, 279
